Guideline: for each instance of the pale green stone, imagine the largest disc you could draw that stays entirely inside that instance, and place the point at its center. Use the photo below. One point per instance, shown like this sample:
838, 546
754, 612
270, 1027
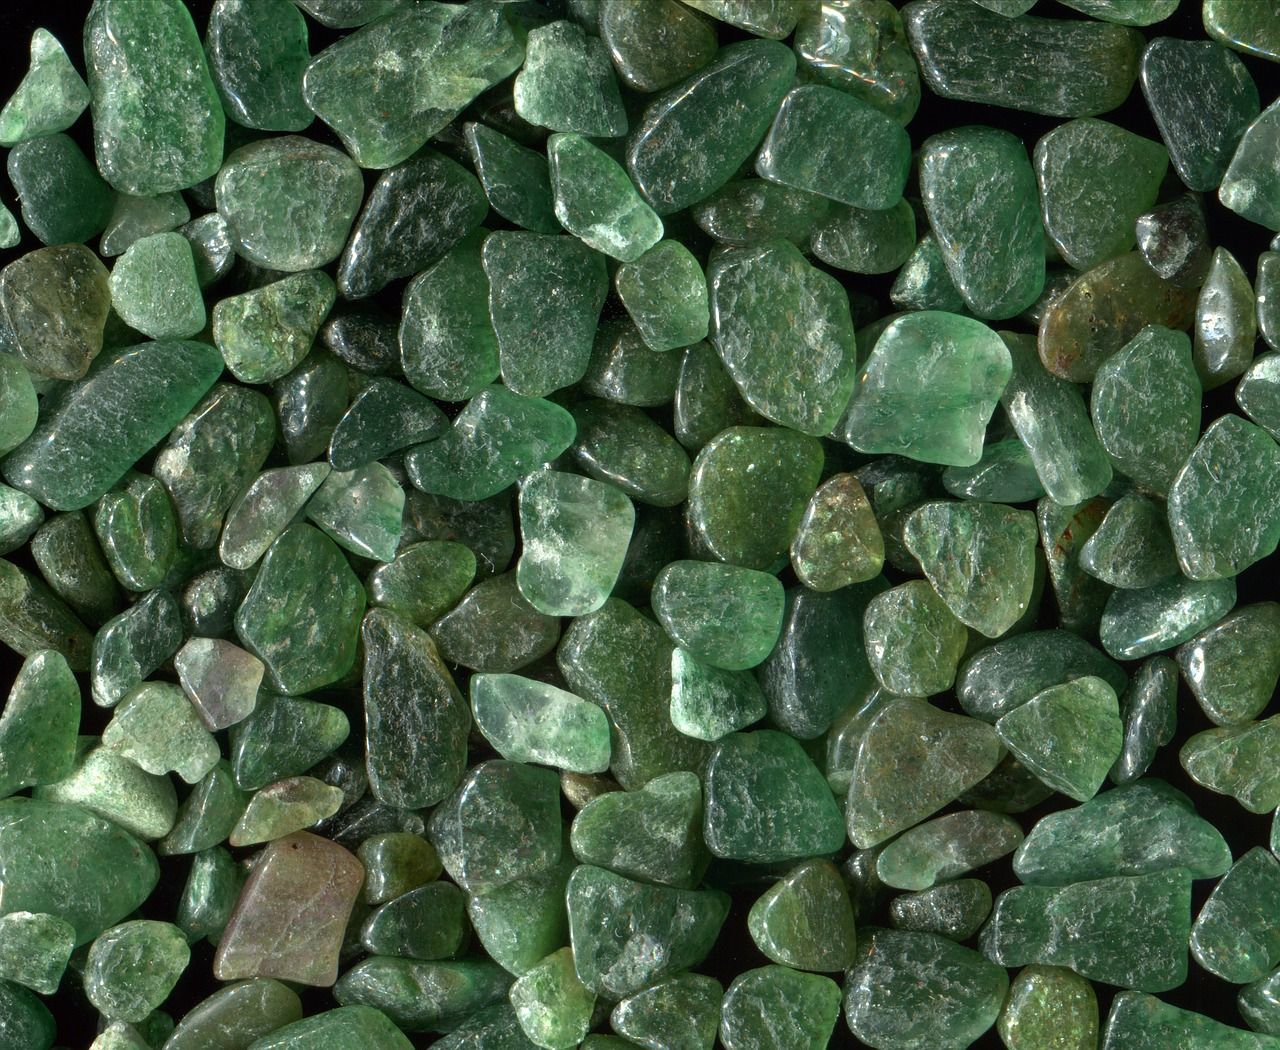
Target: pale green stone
39, 724
914, 642
50, 97
553, 1007
1132, 548
115, 788
709, 702
724, 615
133, 967
157, 727
361, 510
1143, 1022
777, 1008
525, 919
955, 910
665, 292
1237, 761
529, 721
596, 201
207, 815
863, 241
265, 333
1049, 1006
284, 807
34, 949
946, 847
1233, 937
567, 83
1251, 186
134, 218
1233, 667
682, 1013
805, 919
9, 232
20, 516
838, 541
346, 1028
265, 509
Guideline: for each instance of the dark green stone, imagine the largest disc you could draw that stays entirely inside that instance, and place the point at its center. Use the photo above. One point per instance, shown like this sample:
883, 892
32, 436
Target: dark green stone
233, 1017
63, 198
24, 1020
309, 401
1226, 322
706, 400
39, 724
346, 1028
132, 645
665, 292
955, 910
257, 55
426, 923
625, 371
805, 919
396, 862
285, 736
54, 302
384, 417
942, 848
724, 615
68, 556
1232, 668
1149, 708
493, 629
207, 815
923, 283
1132, 547
1064, 530
862, 241
747, 212
523, 921
515, 179
1143, 1022
777, 1008
425, 580
422, 996
1232, 937
134, 218
265, 333
1249, 187
654, 46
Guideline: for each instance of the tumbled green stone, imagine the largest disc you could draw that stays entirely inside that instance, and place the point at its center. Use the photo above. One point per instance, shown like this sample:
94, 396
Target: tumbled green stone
709, 702
24, 1020
529, 721
132, 968
1232, 936
596, 201
285, 736
70, 560
567, 83
1243, 28
134, 218
9, 233
210, 598
682, 1013
748, 212
34, 949
665, 293
515, 179
266, 332
625, 372
302, 614
954, 910
1129, 931
805, 920
946, 847
39, 723
111, 785
424, 581
628, 935
284, 807
158, 728
1174, 240
1251, 186
1143, 1022
523, 920
553, 1007
63, 198
423, 996
483, 526
911, 991
54, 302
723, 615
396, 862
50, 97
1125, 12
727, 107
706, 400
777, 1008
1149, 708
1258, 1005
493, 628
233, 1017
914, 642
938, 421
655, 45
838, 541
106, 422
1064, 530
132, 645
1232, 668
18, 407
1009, 788
1226, 325
310, 400
257, 55
20, 516
206, 815
867, 241
347, 14
1082, 67
264, 509
383, 418
32, 619
154, 288
1049, 1006
1132, 548
361, 510
138, 531
210, 240
428, 922
913, 760
1237, 761
767, 18
923, 283
1095, 180
346, 1028
1139, 623
1254, 385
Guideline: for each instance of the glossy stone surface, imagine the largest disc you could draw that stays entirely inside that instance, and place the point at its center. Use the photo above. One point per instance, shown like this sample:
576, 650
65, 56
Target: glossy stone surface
515, 179
723, 615
134, 218
1245, 30
914, 642
346, 1028
621, 445
595, 200
867, 241
206, 815
132, 645
1250, 187
1132, 548
67, 554
157, 727
1143, 1022
132, 968
777, 1008
805, 920
423, 996
63, 198
1257, 1004
682, 1013
112, 786
361, 510
1049, 1006
50, 97
34, 949
708, 702
945, 847
1232, 668
33, 619
553, 1007
257, 54
154, 288
1174, 240
838, 541
20, 516
665, 293
264, 509
18, 401
266, 332
244, 1011
654, 46
527, 721
424, 581
747, 212
1231, 937
309, 401
954, 910
524, 920
1149, 710
1226, 325
567, 83
1236, 761
284, 737
494, 629
39, 724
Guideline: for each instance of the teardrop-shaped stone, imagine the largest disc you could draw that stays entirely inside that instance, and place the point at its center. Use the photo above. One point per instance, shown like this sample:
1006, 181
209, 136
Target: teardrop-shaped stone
236, 1016
39, 724
1226, 322
682, 1013
1143, 1022
50, 97
914, 642
285, 736
945, 847
805, 919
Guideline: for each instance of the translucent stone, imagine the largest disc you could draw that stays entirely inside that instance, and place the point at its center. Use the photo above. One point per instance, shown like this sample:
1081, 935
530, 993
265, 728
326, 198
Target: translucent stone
346, 1028
422, 996
524, 920
805, 920
914, 642
1143, 1022
1049, 1005
596, 201
723, 615
923, 283
1242, 29
284, 737
1226, 325
361, 510
654, 46
264, 333
112, 786
1258, 1005
265, 509
493, 629
623, 446
777, 1008
838, 542
955, 910
18, 406
154, 288
132, 645
9, 233
1237, 761
20, 516
132, 968
207, 815
515, 179
1232, 668
210, 240
63, 198
67, 555
158, 728
528, 721
768, 18
867, 242
1230, 937
348, 14
946, 847
309, 402
1251, 186
708, 702
553, 1007
1149, 710
34, 949
209, 601
284, 807
748, 212
50, 97
54, 303
1132, 547
134, 218
567, 83
39, 724
248, 1010
1174, 240
682, 1013
424, 581
665, 293
257, 54
1256, 393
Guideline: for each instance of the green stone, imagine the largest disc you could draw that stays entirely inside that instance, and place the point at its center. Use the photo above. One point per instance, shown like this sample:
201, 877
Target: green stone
748, 212
289, 920
914, 642
106, 422
567, 83
264, 510
769, 308
257, 55
1138, 623
682, 1013
1233, 667
869, 242
1143, 1022
529, 721
1125, 12
157, 120
945, 847
348, 14
622, 445
1267, 302
709, 702
767, 18
1237, 761
777, 1008
131, 646
426, 923
979, 193
132, 968
1257, 1004
954, 910
210, 240
346, 1028
63, 198
18, 407
9, 233
20, 516
913, 760
654, 46
33, 619
289, 202
515, 179
726, 107
265, 333
383, 418
284, 737
158, 728
596, 201
424, 581
114, 787
39, 724
1251, 186
422, 996
70, 559
1231, 937
706, 400
1174, 240
912, 991
210, 598
723, 615
34, 949
1049, 1006
210, 895
941, 421
1149, 708
309, 402
54, 302
361, 510
281, 620
207, 815
284, 807
483, 526
1136, 829
553, 1007
50, 97
524, 920
838, 541
117, 1035
154, 288
234, 1016
1132, 548
628, 935
1242, 28
665, 293
1129, 931
1009, 788
805, 920
923, 283
1082, 67
493, 629
396, 862
446, 57
1226, 324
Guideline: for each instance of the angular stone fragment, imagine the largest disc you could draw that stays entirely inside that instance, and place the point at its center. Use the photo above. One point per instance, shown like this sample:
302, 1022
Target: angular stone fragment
20, 516
34, 949
1132, 548
33, 619
528, 721
67, 554
553, 1007
383, 418
209, 601
264, 510
154, 288
805, 919
425, 580
396, 862
1237, 761
524, 920
362, 510
131, 968
284, 807
284, 737
158, 728
1149, 710
18, 406
309, 401
622, 445
914, 642
493, 629
1232, 936
39, 724
723, 615
129, 647
954, 910
266, 332
708, 702
63, 198
1049, 1006
1174, 240
207, 815
50, 97
134, 218
1143, 1022
423, 996
1232, 668
1251, 186
945, 847
923, 283
838, 541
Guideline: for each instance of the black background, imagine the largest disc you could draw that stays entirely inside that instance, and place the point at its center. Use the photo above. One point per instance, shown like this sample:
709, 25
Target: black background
735, 952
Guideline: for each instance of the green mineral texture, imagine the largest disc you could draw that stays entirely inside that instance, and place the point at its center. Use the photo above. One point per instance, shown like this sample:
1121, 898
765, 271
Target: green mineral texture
1236, 761
348, 14
778, 1008
1049, 1006
361, 510
70, 560
1081, 67
157, 120
257, 55
283, 737
654, 46
34, 949
63, 197
1232, 937
770, 308
567, 83
289, 202
493, 629
767, 18
210, 247
596, 201
1125, 12
424, 581
945, 847
346, 1028
1241, 28
284, 807
515, 179
1132, 548
1138, 623
302, 615
1149, 708
913, 760
113, 787
911, 991
665, 293
709, 702
158, 728
955, 910
575, 532
33, 618
265, 333
154, 288
529, 721
838, 541
1267, 301
396, 862
1250, 187
682, 1013
980, 196
747, 212
553, 1007
50, 97
523, 921
1233, 667
923, 283
133, 967
423, 996
1174, 240
1136, 829
428, 922
1226, 324
914, 642
805, 919
706, 400
132, 645
236, 1016
20, 517
310, 400
9, 233
383, 418
264, 510
206, 815
622, 445
1259, 1006
723, 615
18, 406
727, 106
1143, 1022
803, 148
628, 935
940, 419
39, 724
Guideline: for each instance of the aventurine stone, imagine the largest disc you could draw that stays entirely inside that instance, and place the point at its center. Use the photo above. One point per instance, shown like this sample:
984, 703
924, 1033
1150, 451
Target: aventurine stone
1232, 668
63, 197
567, 83
1226, 322
1143, 1022
805, 919
724, 615
1174, 239
131, 968
777, 1008
50, 97
709, 702
1049, 1006
1132, 548
34, 949
346, 1028
424, 581
32, 619
838, 541
553, 1007
283, 737
210, 895
361, 510
1232, 937
515, 179
665, 293
945, 847
1237, 761
529, 721
264, 510
955, 910
914, 642
54, 304
1149, 708
595, 200
154, 288
493, 629
682, 1013
39, 724
247, 1010
157, 727
130, 646
266, 332
257, 55
134, 218
284, 807
383, 418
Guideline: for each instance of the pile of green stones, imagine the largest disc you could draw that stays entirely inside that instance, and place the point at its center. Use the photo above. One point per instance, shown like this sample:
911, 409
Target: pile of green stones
465, 659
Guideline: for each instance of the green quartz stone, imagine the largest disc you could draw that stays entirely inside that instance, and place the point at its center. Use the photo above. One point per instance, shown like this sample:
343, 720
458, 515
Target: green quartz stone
1010, 788
1125, 12
777, 1008
134, 218
39, 724
426, 923
50, 97
131, 646
310, 400
1049, 1006
767, 18
923, 283
156, 727
1149, 708
567, 84
424, 581
423, 996
210, 240
911, 991
1242, 28
210, 598
9, 233
1132, 547
954, 910
529, 721
655, 45
628, 935
1095, 180
914, 642
69, 558
154, 288
1226, 326
624, 371
1251, 186
234, 1016
257, 55
748, 212
945, 847
1064, 530
483, 526
107, 783
838, 542
1232, 937
553, 1007
770, 308
34, 949
54, 302
103, 424
289, 202
913, 760
515, 179
941, 421
708, 702
979, 192
132, 968
18, 407
24, 1020
63, 198
665, 293
726, 106
805, 920
1268, 308
682, 1013
1257, 1004
346, 1028
361, 510
33, 618
265, 333
867, 241
157, 120
284, 807
264, 510
396, 862
303, 612
723, 615
1136, 829
20, 516
383, 418
523, 920
347, 14
596, 201
493, 629
1143, 1022
138, 530
1082, 67
1232, 667
207, 815
289, 920
1129, 931
706, 400
1237, 761
1174, 240
285, 736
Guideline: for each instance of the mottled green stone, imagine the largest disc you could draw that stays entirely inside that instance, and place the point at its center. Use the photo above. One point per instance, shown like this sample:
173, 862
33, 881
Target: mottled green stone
284, 807
523, 920
493, 629
9, 233
1049, 1006
1242, 28
383, 418
1233, 667
767, 18
682, 1013
515, 179
1232, 936
567, 83
107, 783
1143, 1022
1226, 324
424, 581
34, 949
39, 724
946, 847
1138, 623
206, 815
348, 14
708, 702
285, 736
1254, 386
154, 288
33, 618
134, 218
233, 1017
158, 728
132, 645
805, 920
777, 1008
265, 333
18, 406
870, 242
132, 968
422, 996
665, 293
1237, 761
210, 598
914, 642
706, 400
20, 516
553, 1007
264, 509
50, 97
622, 445
24, 1020
257, 54
596, 201
748, 212
346, 1028
923, 283
655, 45
1258, 1005
1129, 931
1132, 548
723, 615
913, 760
838, 541
493, 1028
1251, 186
529, 721
954, 910
63, 198
309, 401
1149, 708
361, 510
70, 560
396, 862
